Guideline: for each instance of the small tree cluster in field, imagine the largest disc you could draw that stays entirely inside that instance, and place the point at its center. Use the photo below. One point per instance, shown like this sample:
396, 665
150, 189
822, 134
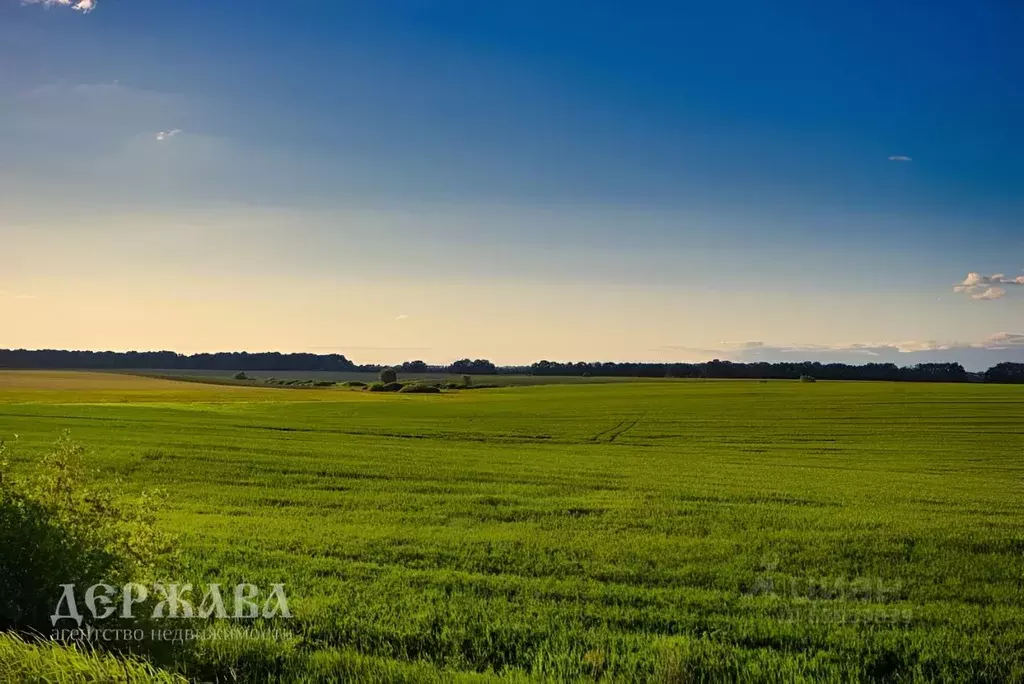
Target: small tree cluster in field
807, 378
388, 375
56, 529
240, 376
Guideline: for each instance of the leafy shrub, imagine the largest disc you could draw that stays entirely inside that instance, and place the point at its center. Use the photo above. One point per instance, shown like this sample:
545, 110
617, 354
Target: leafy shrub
385, 387
353, 383
323, 383
240, 376
388, 375
418, 388
467, 380
807, 378
57, 529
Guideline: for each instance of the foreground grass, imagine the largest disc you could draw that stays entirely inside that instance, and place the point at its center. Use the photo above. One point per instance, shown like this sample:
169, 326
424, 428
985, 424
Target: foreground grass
26, 661
673, 531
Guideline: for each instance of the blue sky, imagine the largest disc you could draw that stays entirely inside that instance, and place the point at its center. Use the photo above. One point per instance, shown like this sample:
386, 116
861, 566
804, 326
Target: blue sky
515, 180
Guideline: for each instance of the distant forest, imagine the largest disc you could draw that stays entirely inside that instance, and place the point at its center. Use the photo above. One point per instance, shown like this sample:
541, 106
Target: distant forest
273, 361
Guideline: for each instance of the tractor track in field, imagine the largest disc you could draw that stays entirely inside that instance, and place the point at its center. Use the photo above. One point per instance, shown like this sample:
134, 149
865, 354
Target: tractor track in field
625, 429
602, 433
622, 427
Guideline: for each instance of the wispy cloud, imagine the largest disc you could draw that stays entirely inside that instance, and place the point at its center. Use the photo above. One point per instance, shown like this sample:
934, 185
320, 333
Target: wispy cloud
900, 158
6, 294
166, 135
987, 287
1003, 341
990, 293
111, 112
401, 317
83, 6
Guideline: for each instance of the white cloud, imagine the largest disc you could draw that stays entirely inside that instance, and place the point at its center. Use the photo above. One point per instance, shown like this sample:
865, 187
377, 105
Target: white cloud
165, 135
83, 6
988, 287
916, 346
401, 317
900, 158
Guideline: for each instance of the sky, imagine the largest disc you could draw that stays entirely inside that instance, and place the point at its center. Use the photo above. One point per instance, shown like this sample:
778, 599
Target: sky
515, 181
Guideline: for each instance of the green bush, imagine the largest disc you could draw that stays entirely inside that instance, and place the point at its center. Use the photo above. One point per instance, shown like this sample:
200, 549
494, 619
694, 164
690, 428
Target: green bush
807, 378
418, 388
56, 529
353, 383
388, 375
385, 387
240, 376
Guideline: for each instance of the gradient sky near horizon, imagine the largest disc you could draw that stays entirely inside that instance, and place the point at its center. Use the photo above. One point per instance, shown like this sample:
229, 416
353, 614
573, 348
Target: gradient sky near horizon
515, 181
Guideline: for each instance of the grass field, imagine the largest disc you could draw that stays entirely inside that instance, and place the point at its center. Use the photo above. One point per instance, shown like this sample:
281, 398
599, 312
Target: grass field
501, 380
646, 531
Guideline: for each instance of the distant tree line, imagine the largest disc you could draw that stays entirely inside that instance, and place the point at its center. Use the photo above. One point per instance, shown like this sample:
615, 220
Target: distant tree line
1006, 372
924, 372
166, 360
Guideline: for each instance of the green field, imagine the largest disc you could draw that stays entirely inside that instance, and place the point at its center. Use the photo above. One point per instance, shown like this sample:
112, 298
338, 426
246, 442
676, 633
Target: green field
261, 377
346, 376
645, 531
